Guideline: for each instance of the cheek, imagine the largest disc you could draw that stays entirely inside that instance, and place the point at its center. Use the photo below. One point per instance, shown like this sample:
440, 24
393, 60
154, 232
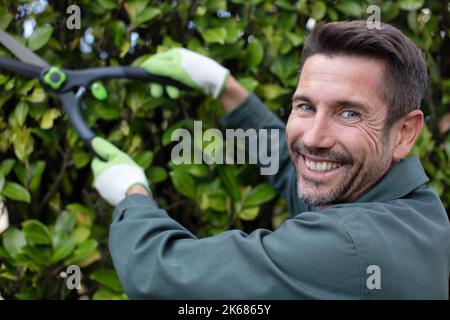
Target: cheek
357, 142
294, 128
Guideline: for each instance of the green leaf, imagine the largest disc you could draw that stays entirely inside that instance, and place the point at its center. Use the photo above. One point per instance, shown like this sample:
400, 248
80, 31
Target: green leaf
20, 113
94, 256
107, 4
35, 254
183, 183
410, 5
197, 170
36, 175
30, 294
15, 191
23, 143
255, 53
248, 214
216, 200
6, 166
83, 251
6, 19
108, 278
105, 110
233, 34
228, 177
157, 174
167, 135
107, 294
63, 249
65, 222
389, 10
215, 35
21, 173
271, 91
219, 52
81, 234
147, 15
135, 7
139, 12
216, 5
49, 117
350, 8
37, 96
285, 4
3, 78
136, 98
412, 20
9, 275
259, 195
295, 38
36, 232
285, 67
13, 241
83, 214
249, 83
40, 37
5, 97
2, 182
318, 10
23, 90
144, 158
117, 30
81, 158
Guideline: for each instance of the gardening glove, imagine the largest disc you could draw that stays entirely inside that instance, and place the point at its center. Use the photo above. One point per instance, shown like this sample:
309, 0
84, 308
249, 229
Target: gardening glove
114, 176
188, 67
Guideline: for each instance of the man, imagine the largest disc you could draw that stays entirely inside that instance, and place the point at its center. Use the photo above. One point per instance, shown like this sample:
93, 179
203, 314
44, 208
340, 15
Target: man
364, 223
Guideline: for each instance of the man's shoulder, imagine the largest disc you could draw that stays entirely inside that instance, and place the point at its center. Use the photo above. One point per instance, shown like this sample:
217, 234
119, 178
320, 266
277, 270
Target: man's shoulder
403, 237
421, 208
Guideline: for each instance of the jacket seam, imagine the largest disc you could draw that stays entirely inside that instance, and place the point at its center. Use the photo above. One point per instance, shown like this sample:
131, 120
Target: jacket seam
344, 224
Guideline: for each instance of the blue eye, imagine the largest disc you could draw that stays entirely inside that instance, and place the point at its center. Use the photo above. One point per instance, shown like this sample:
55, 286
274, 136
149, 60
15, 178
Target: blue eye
306, 107
350, 114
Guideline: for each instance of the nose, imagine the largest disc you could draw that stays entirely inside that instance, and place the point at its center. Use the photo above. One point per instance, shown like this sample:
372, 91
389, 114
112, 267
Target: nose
318, 133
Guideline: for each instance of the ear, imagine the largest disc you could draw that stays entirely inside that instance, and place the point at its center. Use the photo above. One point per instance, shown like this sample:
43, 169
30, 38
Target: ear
408, 129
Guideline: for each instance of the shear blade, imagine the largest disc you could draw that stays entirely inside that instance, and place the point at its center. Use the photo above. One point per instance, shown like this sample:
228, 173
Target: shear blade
20, 51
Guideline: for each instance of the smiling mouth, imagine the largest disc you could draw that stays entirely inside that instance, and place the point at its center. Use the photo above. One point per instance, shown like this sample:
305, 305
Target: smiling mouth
320, 165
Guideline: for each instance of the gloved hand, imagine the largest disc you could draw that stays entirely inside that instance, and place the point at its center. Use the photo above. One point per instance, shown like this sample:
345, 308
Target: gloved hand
188, 67
113, 177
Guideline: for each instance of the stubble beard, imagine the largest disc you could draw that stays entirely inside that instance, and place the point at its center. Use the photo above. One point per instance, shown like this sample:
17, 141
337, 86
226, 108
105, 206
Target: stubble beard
353, 182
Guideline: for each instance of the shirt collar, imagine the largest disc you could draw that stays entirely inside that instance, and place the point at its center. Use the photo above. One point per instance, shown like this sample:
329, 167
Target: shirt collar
404, 177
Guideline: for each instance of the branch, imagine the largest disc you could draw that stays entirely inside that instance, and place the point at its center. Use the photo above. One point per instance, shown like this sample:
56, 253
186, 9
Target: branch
65, 164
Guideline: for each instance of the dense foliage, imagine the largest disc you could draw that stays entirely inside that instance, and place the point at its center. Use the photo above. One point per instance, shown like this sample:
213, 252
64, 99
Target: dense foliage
57, 218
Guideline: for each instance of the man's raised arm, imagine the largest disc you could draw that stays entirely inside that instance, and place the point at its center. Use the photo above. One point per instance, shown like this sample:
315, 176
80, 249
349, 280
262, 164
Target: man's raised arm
244, 111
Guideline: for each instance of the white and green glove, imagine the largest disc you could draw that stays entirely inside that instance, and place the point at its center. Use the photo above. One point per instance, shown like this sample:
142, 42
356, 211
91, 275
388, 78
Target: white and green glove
114, 176
188, 67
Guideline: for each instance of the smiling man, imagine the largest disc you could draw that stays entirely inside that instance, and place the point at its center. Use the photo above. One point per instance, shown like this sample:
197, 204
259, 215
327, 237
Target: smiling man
338, 134
364, 223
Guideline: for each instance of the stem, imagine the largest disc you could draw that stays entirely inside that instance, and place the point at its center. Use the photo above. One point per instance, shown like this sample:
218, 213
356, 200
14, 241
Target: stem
65, 164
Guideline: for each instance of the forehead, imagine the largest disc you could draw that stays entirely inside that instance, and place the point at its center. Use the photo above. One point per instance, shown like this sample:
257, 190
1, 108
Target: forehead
330, 78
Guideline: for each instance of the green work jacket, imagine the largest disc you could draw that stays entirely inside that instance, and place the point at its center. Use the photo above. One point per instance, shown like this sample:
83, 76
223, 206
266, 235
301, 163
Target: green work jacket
392, 243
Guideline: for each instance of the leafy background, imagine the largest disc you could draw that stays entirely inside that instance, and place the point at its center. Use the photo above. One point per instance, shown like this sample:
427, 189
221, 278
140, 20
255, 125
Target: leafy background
58, 219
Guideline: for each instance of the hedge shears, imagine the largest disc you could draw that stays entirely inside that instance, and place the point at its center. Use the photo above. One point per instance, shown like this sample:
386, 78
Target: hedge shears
70, 85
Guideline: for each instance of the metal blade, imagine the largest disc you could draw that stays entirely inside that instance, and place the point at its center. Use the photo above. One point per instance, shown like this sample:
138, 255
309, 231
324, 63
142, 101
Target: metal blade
20, 51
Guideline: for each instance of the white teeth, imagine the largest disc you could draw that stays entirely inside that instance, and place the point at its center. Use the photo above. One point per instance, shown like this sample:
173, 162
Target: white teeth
321, 166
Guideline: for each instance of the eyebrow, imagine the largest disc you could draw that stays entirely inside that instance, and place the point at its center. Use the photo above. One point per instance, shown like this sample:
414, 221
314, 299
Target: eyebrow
341, 102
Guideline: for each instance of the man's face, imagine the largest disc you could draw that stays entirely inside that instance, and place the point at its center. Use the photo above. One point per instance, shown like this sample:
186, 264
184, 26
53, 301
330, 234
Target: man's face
335, 131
